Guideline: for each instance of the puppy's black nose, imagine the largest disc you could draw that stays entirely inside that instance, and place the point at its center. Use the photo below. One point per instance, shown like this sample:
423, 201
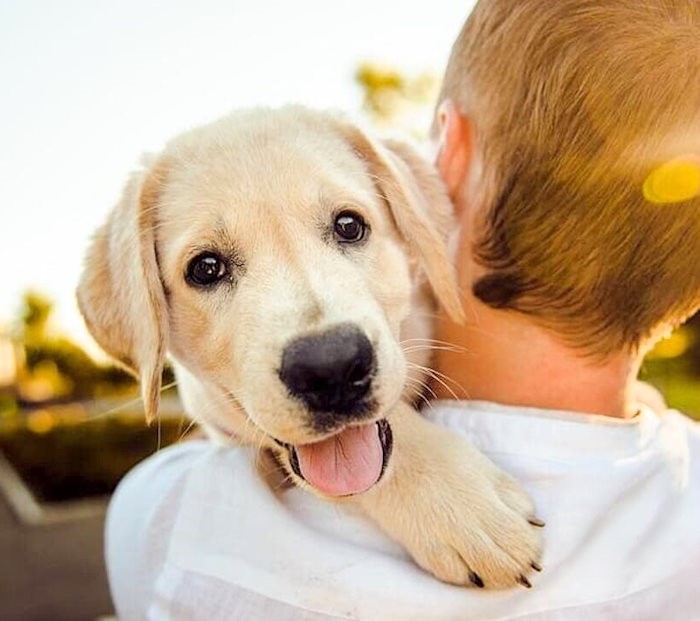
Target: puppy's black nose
331, 371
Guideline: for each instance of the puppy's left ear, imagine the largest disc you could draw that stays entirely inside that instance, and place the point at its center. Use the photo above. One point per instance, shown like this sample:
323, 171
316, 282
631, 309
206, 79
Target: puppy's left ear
421, 209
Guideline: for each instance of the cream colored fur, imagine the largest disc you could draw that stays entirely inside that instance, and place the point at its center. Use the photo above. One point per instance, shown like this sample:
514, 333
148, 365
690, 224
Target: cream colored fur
263, 186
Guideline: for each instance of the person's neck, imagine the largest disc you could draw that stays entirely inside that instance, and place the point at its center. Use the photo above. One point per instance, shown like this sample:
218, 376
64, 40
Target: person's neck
504, 357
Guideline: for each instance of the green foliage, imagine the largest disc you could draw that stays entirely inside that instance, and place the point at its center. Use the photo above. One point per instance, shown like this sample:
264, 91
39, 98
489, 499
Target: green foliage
674, 368
53, 367
693, 354
9, 408
69, 460
87, 379
35, 316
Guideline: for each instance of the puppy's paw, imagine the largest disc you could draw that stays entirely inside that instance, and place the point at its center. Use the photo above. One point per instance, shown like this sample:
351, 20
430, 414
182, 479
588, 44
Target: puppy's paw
483, 533
459, 516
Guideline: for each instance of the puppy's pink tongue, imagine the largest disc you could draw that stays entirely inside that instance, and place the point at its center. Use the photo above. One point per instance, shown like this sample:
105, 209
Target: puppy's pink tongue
347, 463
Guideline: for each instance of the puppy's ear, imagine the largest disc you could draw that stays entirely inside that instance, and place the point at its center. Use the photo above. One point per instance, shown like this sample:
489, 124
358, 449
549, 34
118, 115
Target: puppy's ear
420, 207
120, 293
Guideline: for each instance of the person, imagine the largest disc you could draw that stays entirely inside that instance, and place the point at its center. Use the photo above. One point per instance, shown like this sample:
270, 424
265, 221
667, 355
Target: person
569, 140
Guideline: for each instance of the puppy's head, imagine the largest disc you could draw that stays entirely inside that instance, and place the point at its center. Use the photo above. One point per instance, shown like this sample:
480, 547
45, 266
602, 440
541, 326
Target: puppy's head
273, 255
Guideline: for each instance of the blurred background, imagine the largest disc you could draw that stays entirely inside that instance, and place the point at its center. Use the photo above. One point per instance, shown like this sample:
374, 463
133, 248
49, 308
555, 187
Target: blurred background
87, 88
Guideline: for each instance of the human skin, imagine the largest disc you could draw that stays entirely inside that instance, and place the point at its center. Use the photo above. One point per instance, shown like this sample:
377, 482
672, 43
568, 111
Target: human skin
501, 355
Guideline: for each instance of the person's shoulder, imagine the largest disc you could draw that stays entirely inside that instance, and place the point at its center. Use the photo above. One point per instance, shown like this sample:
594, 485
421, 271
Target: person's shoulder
681, 435
690, 430
683, 423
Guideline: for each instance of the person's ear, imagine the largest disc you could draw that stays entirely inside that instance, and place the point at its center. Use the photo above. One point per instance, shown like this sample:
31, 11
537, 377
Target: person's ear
455, 148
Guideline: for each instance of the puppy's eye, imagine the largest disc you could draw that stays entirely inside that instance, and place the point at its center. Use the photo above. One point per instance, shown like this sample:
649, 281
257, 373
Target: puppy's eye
206, 269
349, 227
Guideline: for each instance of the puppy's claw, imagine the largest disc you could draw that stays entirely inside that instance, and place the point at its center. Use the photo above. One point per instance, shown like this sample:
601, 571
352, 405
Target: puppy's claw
535, 521
536, 566
524, 581
476, 580
467, 515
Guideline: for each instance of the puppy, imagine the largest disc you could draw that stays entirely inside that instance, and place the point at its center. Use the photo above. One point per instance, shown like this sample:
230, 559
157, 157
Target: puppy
280, 258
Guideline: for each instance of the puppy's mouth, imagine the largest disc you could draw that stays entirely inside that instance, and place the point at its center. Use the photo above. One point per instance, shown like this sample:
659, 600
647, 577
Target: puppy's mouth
349, 462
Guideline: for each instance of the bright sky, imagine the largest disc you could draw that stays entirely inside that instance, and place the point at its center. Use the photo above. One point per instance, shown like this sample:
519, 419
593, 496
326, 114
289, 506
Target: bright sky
89, 86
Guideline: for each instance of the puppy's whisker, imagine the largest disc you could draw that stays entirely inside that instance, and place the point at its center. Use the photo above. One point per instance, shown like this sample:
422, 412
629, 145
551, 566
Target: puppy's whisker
188, 428
424, 386
127, 405
418, 392
419, 341
433, 346
446, 386
255, 436
160, 432
432, 371
442, 379
413, 348
234, 407
427, 314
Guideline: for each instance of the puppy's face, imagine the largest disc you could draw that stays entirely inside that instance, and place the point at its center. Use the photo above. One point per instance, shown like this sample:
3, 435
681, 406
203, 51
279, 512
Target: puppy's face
286, 279
275, 254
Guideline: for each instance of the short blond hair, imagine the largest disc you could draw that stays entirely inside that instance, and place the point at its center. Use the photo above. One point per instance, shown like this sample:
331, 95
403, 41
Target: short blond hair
575, 103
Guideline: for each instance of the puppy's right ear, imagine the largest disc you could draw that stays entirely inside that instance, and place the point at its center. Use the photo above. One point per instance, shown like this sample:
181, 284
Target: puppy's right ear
420, 207
120, 293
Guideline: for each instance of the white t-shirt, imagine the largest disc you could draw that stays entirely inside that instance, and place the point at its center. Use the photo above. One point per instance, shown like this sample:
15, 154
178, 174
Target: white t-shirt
194, 534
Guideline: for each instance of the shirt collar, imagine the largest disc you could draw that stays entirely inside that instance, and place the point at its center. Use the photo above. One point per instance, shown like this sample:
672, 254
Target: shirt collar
551, 434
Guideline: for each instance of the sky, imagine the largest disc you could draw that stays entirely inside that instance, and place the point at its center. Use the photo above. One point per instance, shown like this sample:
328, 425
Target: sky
87, 87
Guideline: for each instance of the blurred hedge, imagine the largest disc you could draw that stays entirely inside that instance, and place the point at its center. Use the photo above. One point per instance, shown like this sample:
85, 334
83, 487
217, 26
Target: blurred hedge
70, 460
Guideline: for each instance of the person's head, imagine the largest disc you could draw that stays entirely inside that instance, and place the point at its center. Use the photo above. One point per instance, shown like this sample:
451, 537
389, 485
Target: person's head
570, 143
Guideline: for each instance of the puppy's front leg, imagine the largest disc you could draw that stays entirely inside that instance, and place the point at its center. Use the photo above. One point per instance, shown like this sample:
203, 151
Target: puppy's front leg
457, 514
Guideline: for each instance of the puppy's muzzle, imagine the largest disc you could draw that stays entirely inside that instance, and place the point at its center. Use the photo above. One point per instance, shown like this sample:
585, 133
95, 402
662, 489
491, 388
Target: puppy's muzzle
331, 372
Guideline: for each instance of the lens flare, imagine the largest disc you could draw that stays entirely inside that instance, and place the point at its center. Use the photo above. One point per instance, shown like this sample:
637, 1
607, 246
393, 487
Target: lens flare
674, 181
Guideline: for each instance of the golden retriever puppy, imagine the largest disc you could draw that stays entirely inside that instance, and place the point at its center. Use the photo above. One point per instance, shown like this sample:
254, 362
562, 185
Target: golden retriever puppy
279, 258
